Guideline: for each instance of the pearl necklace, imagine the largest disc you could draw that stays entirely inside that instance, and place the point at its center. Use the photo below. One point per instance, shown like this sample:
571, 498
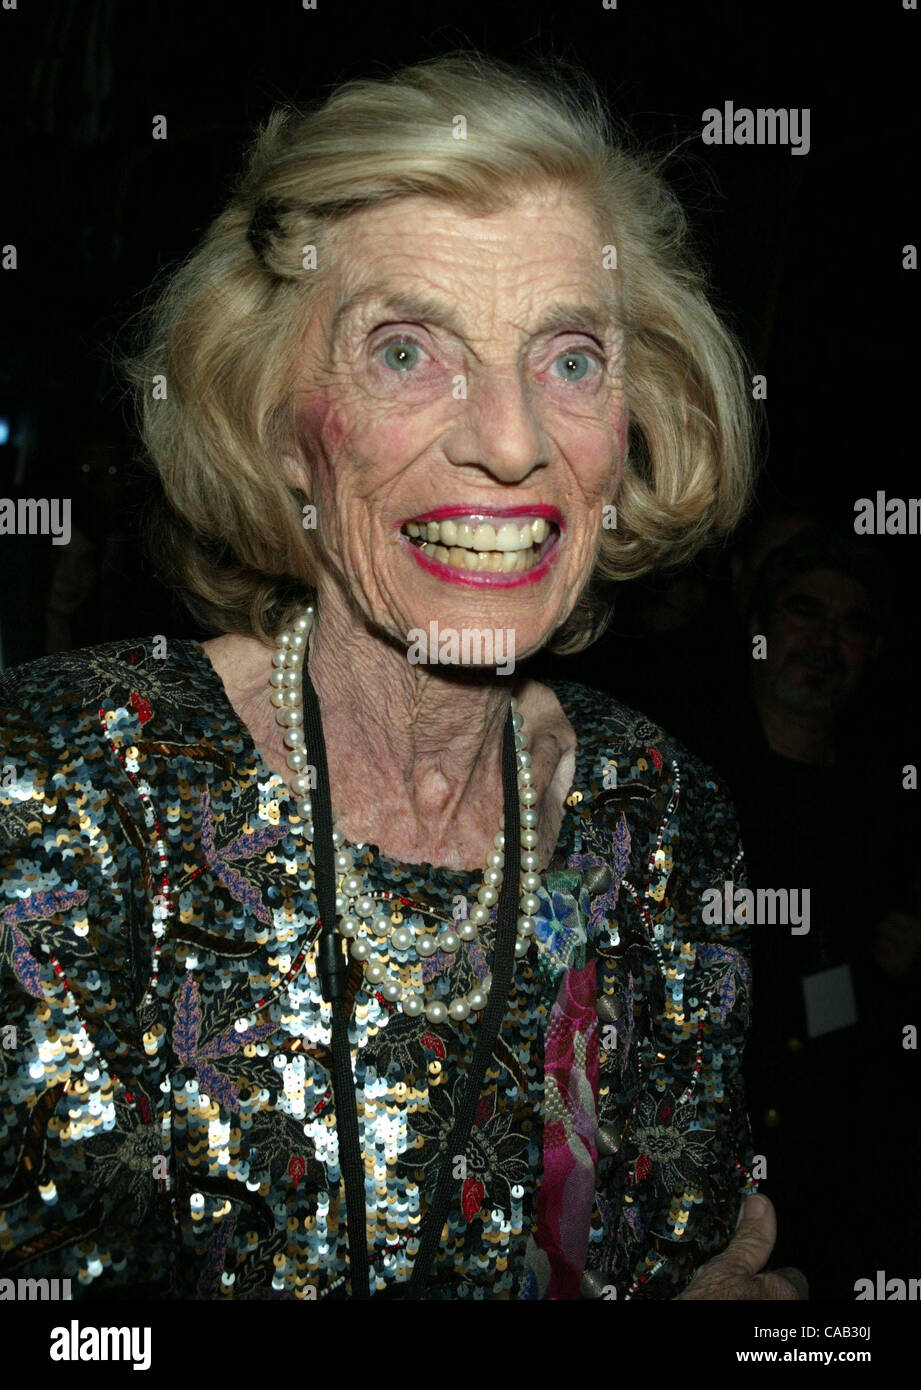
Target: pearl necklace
372, 933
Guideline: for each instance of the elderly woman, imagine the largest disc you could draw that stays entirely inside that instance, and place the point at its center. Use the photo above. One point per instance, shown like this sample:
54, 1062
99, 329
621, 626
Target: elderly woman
341, 958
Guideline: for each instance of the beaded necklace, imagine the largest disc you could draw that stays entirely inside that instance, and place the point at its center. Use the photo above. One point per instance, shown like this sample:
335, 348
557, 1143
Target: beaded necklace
373, 937
293, 694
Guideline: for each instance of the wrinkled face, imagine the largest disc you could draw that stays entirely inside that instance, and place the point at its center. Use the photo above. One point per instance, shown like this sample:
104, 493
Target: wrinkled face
460, 417
820, 636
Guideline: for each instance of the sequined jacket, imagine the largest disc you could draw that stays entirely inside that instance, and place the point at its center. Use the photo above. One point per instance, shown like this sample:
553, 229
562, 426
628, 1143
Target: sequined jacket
166, 1119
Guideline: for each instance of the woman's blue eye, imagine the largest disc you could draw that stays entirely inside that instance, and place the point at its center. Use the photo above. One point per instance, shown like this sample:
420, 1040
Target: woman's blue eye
577, 362
401, 354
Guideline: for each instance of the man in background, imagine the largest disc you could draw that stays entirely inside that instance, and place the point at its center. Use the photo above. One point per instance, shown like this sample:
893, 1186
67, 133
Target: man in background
822, 807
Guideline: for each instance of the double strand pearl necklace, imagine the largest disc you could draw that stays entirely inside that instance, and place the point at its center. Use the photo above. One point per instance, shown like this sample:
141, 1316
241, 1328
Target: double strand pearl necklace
372, 934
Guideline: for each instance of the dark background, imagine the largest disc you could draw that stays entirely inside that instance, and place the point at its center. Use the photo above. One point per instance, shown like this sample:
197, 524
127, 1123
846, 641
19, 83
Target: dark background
806, 259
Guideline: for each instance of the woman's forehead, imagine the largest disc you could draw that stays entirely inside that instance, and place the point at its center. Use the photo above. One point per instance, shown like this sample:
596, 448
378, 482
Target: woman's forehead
556, 215
415, 257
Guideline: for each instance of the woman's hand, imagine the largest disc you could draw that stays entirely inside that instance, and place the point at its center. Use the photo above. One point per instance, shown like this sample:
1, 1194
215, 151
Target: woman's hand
735, 1273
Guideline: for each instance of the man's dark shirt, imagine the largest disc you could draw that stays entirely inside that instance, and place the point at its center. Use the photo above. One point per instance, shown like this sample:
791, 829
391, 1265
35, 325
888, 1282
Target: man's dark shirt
835, 1115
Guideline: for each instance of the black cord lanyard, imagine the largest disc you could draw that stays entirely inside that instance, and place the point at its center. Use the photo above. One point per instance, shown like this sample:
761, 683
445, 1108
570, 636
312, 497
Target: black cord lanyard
333, 971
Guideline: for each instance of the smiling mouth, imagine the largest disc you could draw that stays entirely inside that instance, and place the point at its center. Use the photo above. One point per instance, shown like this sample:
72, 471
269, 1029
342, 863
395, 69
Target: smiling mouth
477, 545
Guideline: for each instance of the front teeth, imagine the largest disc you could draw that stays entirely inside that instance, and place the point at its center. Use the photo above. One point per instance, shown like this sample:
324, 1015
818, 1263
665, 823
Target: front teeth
482, 537
474, 545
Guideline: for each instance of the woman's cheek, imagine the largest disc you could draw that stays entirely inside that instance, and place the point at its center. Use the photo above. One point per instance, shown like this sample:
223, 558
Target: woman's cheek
323, 428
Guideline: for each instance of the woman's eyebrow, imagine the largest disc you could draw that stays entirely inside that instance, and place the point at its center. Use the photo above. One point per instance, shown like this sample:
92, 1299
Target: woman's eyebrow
597, 318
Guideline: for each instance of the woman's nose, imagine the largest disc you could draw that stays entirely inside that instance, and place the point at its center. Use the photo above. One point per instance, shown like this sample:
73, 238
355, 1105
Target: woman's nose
502, 431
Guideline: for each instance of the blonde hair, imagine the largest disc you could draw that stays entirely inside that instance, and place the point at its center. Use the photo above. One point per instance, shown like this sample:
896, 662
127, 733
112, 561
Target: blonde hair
226, 331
